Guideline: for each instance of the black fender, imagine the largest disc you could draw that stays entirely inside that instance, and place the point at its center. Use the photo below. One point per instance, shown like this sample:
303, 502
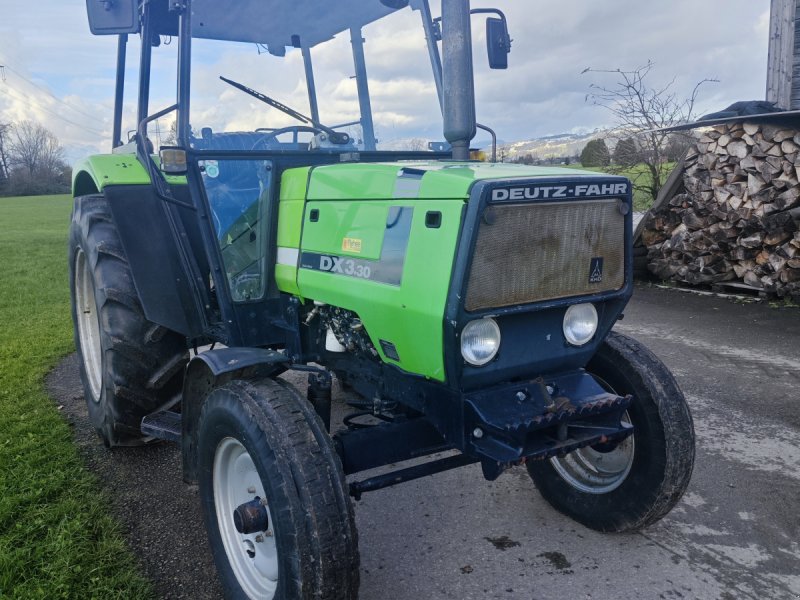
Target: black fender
209, 370
163, 245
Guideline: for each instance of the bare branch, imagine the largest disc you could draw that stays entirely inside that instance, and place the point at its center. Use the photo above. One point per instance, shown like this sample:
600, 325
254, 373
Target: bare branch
641, 110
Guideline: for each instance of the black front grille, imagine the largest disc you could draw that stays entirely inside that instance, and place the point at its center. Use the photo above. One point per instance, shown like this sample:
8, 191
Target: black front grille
542, 251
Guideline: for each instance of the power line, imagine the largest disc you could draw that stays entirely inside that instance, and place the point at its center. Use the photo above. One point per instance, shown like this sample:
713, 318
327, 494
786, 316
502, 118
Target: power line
21, 96
41, 89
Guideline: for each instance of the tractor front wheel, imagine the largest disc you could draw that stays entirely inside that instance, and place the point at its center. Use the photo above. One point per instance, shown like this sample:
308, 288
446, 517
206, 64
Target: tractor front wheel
637, 482
279, 519
130, 367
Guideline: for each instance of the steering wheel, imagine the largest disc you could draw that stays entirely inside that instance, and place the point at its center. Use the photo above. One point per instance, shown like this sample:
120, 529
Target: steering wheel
294, 129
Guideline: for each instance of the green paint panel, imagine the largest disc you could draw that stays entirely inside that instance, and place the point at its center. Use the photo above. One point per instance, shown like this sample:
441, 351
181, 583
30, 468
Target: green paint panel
346, 228
408, 315
353, 181
290, 224
286, 279
439, 180
292, 202
116, 169
111, 169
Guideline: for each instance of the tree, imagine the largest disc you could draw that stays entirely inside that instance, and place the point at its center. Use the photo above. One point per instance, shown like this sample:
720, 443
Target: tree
417, 144
596, 154
171, 137
36, 150
35, 160
642, 109
626, 153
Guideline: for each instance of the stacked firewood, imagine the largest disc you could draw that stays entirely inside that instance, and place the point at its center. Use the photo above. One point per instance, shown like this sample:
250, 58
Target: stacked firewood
739, 218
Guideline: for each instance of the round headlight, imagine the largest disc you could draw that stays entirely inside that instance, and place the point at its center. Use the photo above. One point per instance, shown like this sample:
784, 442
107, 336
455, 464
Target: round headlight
480, 340
580, 323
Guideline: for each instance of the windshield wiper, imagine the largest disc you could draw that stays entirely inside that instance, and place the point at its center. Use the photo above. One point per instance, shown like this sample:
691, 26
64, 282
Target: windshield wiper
335, 137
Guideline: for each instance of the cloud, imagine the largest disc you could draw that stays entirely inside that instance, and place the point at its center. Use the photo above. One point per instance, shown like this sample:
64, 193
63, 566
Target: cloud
63, 76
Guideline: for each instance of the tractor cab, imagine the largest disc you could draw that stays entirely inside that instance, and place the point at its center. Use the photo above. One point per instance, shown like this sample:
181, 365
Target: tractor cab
229, 164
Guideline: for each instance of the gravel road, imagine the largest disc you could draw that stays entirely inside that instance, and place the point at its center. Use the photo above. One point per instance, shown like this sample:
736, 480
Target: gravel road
736, 534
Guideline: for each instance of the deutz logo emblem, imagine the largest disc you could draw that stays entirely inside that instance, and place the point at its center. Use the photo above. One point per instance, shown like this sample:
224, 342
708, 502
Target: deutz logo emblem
596, 270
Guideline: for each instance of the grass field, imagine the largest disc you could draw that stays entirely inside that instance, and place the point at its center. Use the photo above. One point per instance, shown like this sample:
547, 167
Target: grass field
57, 539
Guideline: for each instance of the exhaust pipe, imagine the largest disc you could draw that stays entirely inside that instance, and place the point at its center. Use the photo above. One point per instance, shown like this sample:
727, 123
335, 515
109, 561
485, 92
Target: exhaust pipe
458, 78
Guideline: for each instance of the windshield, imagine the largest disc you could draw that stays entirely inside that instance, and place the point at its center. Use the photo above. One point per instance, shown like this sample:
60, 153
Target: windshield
354, 91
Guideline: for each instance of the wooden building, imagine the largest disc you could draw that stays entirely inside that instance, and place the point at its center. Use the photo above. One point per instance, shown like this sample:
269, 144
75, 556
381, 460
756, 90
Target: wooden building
783, 63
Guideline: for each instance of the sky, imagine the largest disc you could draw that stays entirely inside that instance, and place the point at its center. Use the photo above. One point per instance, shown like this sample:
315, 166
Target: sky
57, 73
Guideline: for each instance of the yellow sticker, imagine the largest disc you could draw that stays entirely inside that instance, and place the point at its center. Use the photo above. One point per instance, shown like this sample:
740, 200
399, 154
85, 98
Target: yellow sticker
351, 245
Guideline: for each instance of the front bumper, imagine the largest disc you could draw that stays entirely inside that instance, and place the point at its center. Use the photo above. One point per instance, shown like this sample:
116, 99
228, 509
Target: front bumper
541, 418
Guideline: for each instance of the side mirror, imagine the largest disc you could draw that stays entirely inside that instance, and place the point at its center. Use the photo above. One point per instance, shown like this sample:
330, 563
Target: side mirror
498, 42
110, 17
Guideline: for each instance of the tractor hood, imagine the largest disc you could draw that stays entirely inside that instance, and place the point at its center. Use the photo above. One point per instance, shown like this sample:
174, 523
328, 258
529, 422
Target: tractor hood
422, 180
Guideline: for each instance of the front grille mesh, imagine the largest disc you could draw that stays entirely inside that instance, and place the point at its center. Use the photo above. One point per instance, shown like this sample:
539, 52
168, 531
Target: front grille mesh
542, 251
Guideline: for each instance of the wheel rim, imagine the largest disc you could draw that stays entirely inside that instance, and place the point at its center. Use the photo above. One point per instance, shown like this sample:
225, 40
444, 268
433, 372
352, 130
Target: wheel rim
594, 471
252, 557
88, 325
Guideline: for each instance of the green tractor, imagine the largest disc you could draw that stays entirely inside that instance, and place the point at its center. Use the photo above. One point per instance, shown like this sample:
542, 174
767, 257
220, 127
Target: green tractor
467, 306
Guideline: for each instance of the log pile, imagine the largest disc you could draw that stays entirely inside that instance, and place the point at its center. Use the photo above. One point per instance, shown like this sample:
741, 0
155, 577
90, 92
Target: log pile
739, 218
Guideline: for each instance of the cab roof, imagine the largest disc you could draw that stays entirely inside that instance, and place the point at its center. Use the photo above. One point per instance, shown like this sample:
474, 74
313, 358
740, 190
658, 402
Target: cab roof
282, 23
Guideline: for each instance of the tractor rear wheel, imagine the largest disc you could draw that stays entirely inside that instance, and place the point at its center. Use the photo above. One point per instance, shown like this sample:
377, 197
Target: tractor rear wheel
130, 367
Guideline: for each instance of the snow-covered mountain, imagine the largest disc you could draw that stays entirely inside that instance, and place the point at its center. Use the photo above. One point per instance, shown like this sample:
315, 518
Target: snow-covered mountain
551, 146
